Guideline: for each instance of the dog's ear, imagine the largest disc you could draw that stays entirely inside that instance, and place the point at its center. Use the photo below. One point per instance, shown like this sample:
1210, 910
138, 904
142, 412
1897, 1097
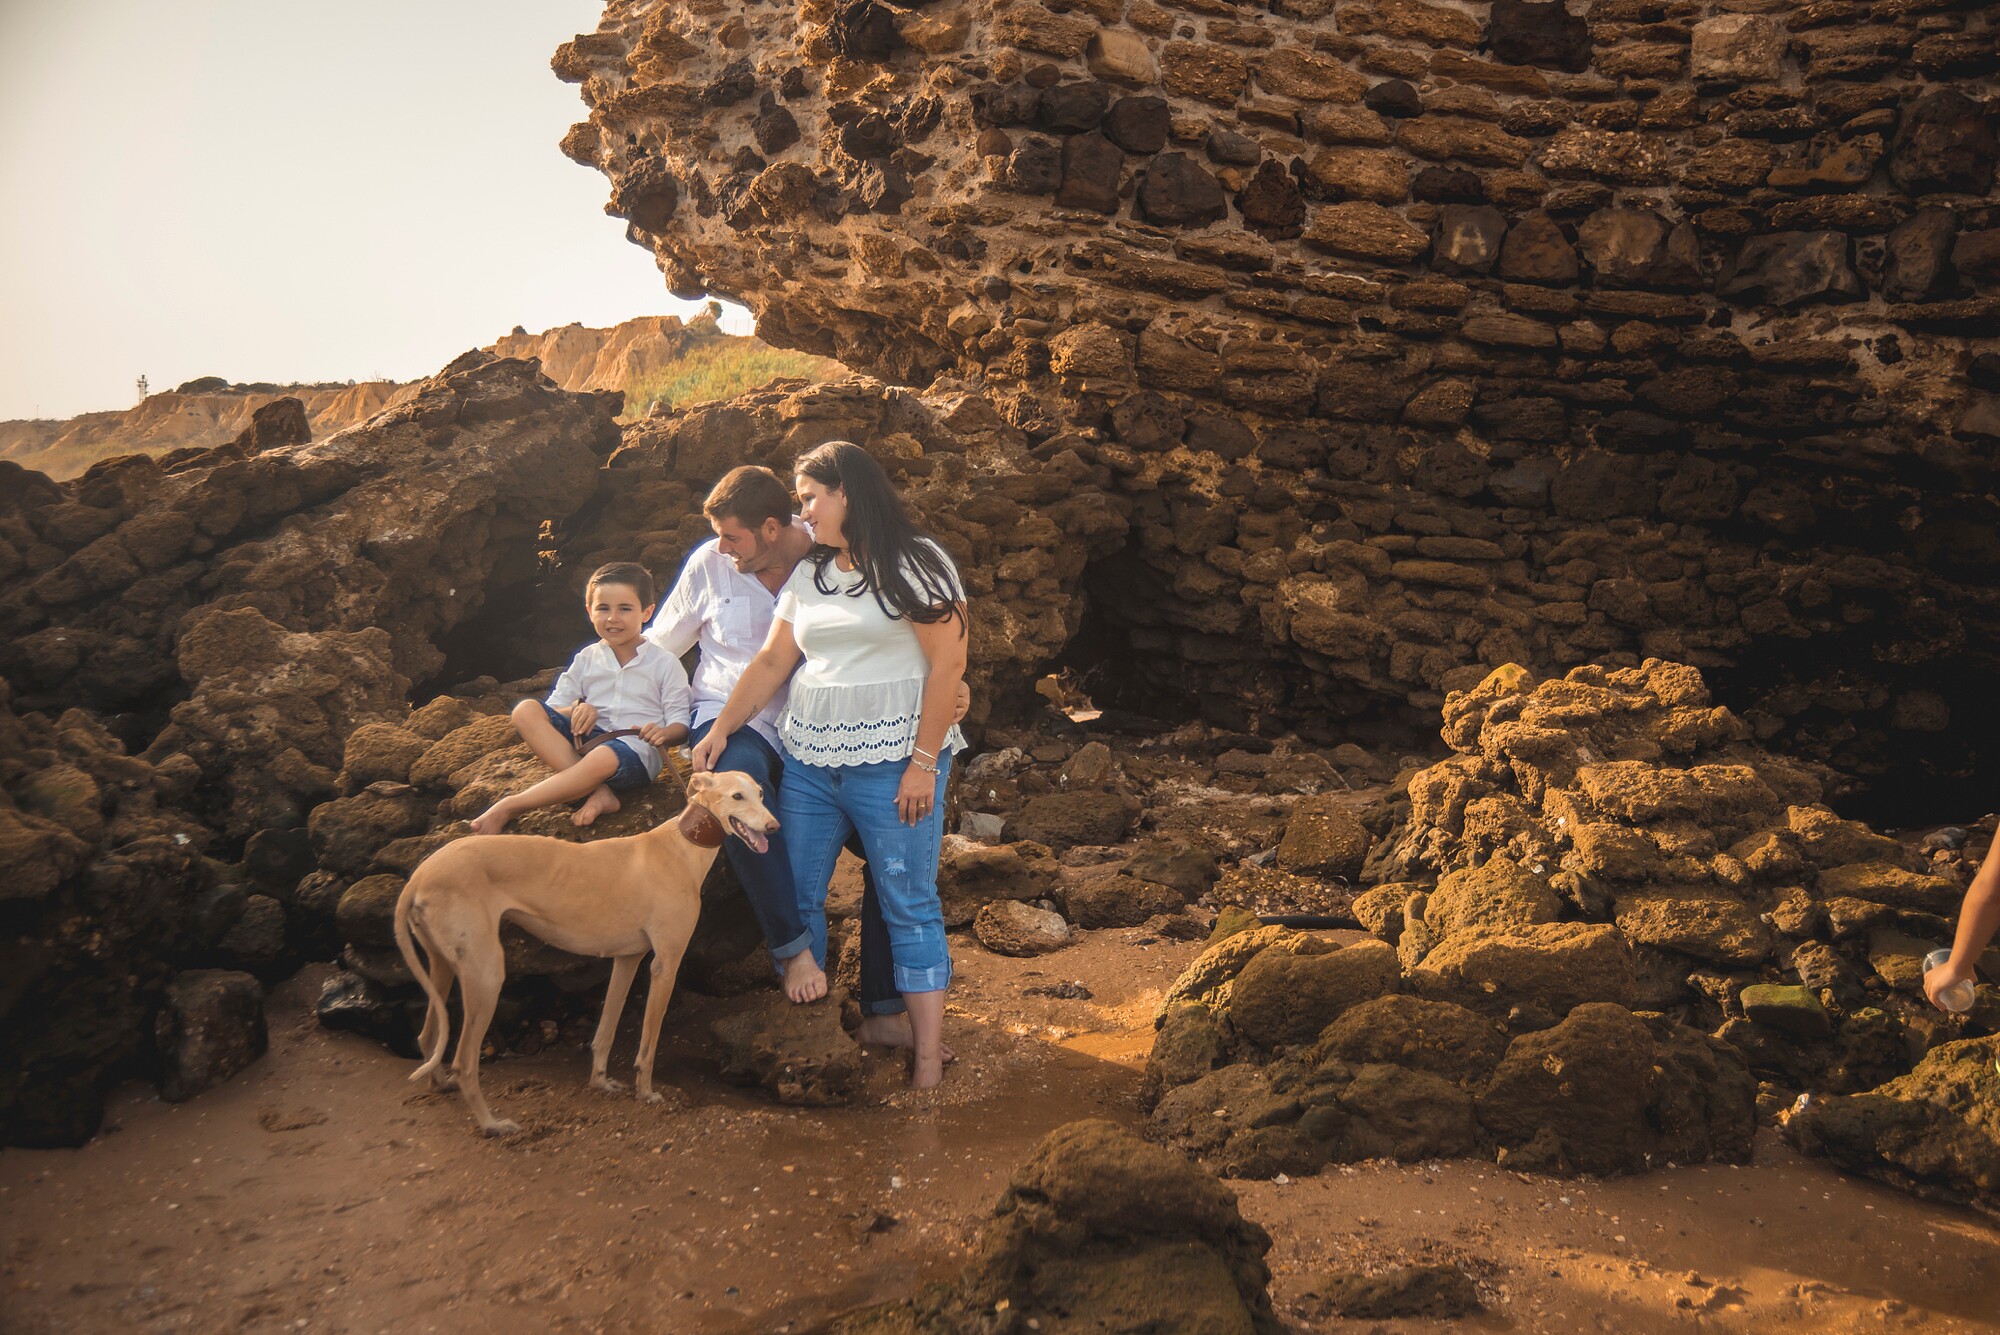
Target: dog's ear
699, 784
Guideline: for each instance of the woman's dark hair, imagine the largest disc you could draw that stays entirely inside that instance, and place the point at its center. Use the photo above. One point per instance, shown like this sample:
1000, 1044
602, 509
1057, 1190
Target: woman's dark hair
905, 570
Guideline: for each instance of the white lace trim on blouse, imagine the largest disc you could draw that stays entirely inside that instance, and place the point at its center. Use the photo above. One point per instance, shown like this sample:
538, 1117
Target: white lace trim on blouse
857, 725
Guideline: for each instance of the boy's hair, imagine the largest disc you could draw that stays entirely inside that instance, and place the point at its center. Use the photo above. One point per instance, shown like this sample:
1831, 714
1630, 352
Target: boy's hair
622, 572
750, 495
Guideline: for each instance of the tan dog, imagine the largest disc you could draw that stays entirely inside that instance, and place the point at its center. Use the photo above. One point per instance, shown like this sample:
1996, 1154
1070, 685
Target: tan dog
615, 898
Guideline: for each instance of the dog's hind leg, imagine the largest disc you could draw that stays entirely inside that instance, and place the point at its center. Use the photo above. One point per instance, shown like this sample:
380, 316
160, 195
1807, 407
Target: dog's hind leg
666, 968
623, 969
437, 1027
479, 982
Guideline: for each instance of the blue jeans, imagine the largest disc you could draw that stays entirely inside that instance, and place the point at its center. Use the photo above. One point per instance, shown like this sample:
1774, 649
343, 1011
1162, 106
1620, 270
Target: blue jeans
820, 807
766, 877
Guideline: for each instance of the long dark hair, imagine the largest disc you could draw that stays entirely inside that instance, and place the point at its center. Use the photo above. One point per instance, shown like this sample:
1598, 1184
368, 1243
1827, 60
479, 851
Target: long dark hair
885, 546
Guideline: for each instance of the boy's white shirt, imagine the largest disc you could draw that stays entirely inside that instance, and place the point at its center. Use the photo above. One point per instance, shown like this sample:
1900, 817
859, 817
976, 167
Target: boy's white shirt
728, 613
652, 688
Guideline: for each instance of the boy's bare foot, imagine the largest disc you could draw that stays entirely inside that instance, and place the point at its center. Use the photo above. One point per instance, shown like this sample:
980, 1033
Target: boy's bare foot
804, 980
926, 1073
492, 820
601, 802
893, 1031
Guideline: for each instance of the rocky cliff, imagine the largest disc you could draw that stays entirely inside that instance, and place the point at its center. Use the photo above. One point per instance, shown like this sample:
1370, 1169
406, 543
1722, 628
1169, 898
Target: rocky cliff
1416, 338
649, 356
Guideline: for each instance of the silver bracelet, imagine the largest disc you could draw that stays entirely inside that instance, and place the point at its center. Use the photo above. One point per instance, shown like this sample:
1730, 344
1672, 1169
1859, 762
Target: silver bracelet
928, 769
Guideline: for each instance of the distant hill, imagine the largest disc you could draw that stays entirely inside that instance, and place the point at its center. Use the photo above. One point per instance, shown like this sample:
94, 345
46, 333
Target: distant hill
654, 359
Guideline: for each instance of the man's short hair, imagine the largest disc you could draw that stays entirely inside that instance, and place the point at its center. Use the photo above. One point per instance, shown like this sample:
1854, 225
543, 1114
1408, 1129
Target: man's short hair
749, 495
629, 573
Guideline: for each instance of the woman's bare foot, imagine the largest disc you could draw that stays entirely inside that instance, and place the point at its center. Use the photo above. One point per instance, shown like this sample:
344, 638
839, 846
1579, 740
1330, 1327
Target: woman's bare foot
804, 979
601, 802
926, 1072
893, 1031
494, 819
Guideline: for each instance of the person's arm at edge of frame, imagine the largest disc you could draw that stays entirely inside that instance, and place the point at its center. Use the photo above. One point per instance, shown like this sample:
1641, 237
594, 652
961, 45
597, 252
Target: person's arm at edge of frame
944, 644
770, 669
1978, 920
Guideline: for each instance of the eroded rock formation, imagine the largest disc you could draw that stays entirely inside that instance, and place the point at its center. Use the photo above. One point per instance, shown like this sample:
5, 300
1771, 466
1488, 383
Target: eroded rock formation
1598, 919
272, 601
1417, 337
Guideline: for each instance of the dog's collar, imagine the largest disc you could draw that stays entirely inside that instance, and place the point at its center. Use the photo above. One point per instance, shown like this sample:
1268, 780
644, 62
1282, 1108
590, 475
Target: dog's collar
701, 827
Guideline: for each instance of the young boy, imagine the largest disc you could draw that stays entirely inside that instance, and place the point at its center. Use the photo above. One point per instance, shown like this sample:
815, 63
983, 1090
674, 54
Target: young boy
636, 689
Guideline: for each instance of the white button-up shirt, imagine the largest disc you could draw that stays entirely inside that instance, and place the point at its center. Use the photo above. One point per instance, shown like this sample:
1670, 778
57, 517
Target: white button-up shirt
652, 688
728, 613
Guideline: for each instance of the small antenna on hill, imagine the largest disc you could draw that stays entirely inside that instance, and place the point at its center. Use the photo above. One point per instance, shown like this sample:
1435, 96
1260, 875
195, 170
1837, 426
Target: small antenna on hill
142, 389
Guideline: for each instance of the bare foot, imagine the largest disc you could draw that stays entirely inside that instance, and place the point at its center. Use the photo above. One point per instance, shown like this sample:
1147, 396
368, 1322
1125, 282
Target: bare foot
494, 819
893, 1031
804, 979
926, 1073
601, 802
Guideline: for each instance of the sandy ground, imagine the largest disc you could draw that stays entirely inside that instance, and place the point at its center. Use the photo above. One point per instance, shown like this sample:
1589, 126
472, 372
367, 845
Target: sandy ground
320, 1191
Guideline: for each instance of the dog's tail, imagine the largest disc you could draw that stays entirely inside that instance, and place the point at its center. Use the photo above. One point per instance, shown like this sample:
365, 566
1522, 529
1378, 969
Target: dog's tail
438, 1020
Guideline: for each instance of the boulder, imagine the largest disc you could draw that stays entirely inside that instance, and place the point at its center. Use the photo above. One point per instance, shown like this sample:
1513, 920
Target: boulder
1101, 1231
1063, 820
798, 1054
1497, 894
1324, 838
1707, 926
1281, 998
1937, 1127
1550, 966
211, 1027
1435, 1036
1118, 901
1404, 1114
1619, 1100
1006, 927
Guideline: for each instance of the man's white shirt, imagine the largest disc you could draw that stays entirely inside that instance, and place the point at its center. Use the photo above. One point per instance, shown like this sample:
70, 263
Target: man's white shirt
727, 613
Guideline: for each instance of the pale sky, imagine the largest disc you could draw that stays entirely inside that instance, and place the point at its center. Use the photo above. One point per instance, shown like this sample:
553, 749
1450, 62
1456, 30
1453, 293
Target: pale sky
264, 190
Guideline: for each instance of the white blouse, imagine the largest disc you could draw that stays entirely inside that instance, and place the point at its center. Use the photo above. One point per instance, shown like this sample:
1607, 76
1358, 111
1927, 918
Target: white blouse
859, 695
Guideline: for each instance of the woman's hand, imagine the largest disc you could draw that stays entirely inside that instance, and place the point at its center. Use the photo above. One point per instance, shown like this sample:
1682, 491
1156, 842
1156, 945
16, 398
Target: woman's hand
915, 795
964, 702
1945, 976
582, 720
709, 749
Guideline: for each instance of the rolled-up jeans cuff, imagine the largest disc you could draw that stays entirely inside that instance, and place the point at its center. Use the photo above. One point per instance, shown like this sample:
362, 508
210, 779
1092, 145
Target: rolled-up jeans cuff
935, 979
886, 1006
782, 953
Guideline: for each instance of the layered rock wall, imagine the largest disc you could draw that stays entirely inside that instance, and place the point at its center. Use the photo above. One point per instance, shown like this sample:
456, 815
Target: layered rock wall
1421, 337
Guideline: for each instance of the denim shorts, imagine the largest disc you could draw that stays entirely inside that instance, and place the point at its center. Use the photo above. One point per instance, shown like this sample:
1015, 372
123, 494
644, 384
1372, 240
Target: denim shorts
631, 771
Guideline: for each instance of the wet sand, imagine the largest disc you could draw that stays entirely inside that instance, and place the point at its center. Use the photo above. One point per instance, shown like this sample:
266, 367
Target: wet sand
320, 1191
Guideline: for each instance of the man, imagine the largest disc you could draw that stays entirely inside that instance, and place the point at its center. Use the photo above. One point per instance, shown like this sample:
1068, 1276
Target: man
723, 601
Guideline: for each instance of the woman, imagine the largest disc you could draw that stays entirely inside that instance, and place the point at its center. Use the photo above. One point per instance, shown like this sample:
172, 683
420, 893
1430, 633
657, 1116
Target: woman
877, 613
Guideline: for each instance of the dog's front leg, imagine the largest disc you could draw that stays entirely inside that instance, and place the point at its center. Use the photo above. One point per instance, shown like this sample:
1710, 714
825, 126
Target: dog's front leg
623, 969
666, 967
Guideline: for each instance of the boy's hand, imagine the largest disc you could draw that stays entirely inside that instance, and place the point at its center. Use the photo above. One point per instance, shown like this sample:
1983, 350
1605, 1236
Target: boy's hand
1945, 976
582, 718
964, 702
659, 734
